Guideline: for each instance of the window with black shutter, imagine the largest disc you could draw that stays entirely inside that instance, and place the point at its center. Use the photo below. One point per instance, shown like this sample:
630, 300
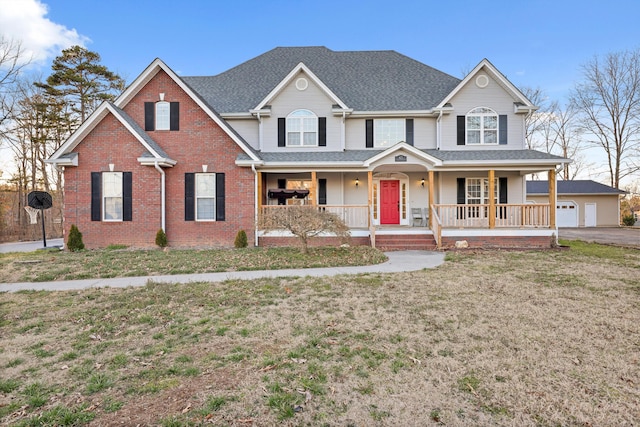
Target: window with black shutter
204, 196
111, 196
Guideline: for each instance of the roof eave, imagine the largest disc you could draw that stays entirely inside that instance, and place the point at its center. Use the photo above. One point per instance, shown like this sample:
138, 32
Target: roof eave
160, 161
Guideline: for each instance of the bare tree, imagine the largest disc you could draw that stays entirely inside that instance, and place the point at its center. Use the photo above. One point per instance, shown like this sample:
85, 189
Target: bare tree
537, 121
12, 61
608, 104
554, 130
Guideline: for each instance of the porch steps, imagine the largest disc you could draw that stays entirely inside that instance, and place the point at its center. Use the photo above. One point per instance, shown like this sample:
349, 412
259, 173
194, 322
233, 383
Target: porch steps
405, 242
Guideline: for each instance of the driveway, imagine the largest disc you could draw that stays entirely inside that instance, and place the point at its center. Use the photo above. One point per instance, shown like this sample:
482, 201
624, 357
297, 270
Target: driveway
627, 236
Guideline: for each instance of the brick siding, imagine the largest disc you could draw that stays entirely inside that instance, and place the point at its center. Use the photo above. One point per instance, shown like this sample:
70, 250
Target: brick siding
200, 141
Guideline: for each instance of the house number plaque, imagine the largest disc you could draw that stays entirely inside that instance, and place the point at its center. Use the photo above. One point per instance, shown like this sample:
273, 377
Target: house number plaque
401, 158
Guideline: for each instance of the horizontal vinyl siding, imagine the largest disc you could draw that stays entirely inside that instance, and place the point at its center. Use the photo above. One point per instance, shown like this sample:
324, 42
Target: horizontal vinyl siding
424, 133
606, 207
449, 189
291, 99
248, 129
493, 96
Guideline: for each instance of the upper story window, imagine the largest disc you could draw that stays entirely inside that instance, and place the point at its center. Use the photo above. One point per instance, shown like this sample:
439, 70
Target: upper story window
388, 132
482, 126
383, 133
302, 129
162, 115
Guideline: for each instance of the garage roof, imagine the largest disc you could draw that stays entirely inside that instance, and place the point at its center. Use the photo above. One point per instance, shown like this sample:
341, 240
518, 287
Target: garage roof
586, 186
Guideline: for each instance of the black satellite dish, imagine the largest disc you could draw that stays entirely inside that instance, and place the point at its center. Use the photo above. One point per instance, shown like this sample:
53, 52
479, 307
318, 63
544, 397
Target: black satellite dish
40, 200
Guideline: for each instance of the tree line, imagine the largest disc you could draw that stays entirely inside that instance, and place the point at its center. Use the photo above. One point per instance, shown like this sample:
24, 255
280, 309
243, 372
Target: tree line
38, 115
36, 118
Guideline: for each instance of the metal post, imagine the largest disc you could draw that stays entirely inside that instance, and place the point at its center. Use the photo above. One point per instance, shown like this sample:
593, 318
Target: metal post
44, 235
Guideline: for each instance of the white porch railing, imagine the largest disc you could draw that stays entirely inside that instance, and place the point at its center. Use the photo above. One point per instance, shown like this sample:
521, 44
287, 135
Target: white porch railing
507, 216
354, 216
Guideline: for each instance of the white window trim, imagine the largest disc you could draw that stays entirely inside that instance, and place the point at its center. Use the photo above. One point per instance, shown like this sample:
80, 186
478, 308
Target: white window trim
301, 132
484, 197
484, 183
378, 122
482, 129
208, 197
104, 197
163, 121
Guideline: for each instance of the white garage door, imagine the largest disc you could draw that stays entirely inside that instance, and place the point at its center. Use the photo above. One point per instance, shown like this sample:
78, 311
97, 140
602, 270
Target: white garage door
567, 214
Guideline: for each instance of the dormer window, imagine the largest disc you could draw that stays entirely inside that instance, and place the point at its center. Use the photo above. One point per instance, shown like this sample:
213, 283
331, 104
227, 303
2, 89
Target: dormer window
302, 129
482, 126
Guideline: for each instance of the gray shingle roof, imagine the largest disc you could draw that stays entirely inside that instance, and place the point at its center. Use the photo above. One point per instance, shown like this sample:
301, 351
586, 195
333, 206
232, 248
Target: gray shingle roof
572, 187
364, 80
362, 155
489, 155
136, 127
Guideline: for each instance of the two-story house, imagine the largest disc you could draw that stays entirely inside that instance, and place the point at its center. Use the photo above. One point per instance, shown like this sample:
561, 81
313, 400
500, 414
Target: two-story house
400, 151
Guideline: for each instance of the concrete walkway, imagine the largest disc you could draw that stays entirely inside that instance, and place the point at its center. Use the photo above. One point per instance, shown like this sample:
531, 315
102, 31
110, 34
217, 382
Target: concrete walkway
399, 261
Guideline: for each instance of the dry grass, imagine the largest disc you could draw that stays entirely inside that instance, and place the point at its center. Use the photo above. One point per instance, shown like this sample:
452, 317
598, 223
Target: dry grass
47, 266
489, 338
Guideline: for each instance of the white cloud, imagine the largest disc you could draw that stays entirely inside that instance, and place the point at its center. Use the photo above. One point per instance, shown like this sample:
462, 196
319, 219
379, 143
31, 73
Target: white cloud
25, 21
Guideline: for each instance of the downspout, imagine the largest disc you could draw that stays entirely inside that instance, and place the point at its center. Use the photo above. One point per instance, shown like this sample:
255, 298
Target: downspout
61, 170
259, 131
162, 195
255, 204
343, 135
438, 130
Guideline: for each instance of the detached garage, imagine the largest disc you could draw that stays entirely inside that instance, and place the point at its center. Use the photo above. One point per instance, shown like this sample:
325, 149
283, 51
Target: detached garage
581, 203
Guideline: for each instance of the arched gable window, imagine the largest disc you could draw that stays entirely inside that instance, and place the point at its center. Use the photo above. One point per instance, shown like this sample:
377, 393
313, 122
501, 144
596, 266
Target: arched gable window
482, 126
162, 115
302, 129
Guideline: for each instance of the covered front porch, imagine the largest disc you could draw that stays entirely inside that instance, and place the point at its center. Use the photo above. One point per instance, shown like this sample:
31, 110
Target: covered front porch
412, 203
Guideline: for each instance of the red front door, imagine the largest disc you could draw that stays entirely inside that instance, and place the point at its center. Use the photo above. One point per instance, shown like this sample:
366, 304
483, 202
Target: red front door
389, 202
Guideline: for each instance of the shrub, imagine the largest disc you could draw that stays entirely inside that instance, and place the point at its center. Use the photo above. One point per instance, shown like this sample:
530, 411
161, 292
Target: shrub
161, 238
305, 222
628, 220
74, 242
241, 239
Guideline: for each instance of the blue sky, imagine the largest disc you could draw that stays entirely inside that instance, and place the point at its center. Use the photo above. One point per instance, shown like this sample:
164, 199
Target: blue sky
534, 43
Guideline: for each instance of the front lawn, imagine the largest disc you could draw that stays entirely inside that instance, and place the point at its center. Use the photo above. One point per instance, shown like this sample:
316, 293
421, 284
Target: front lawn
489, 338
41, 266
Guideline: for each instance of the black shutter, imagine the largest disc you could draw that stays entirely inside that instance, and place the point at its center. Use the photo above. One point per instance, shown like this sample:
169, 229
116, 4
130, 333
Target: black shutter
96, 196
174, 116
127, 196
322, 131
502, 197
461, 191
189, 196
409, 131
322, 191
220, 203
282, 132
502, 183
368, 133
461, 214
149, 116
282, 183
502, 129
461, 130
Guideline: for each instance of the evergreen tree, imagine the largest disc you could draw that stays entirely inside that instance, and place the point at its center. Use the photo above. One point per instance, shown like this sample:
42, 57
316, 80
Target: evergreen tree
82, 81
